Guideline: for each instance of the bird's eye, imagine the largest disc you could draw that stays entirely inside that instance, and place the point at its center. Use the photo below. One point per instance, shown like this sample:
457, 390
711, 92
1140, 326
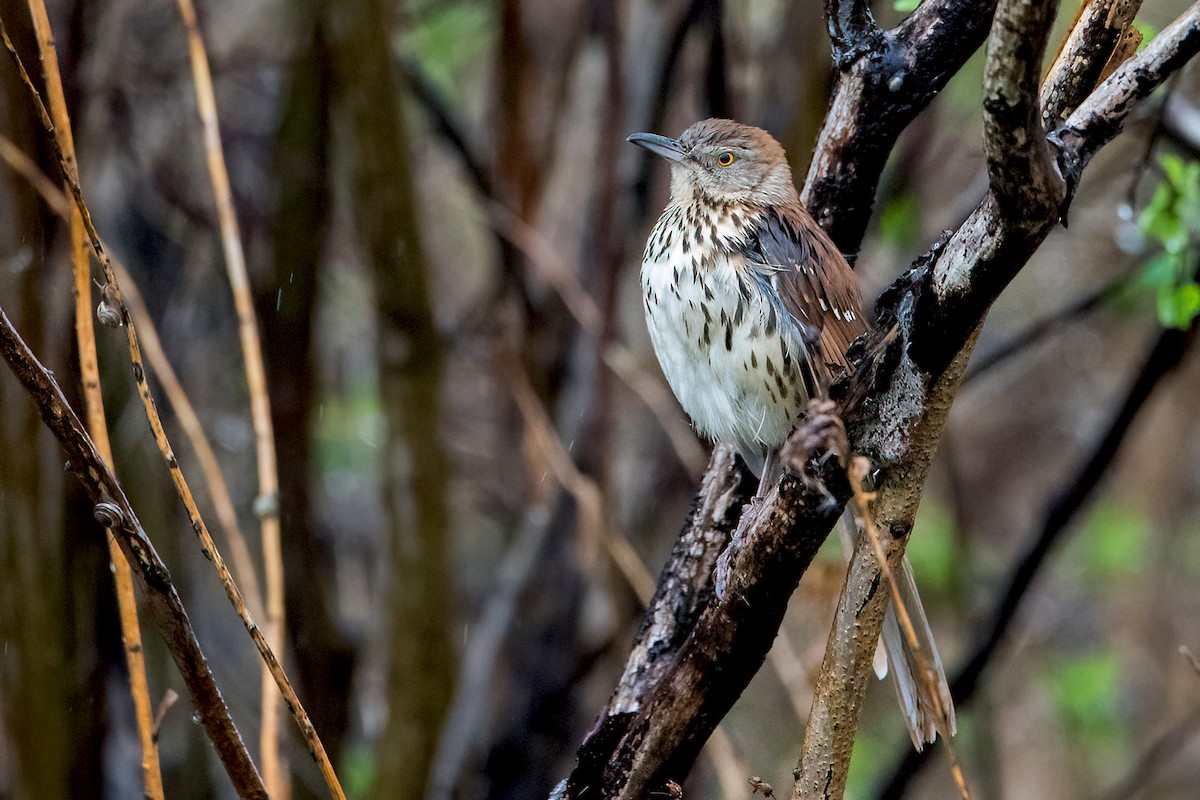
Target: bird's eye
725, 159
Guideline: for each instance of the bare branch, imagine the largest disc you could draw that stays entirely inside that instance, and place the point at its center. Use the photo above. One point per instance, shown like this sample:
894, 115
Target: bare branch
1161, 360
1021, 170
876, 98
114, 510
657, 730
853, 31
1102, 115
1085, 53
938, 307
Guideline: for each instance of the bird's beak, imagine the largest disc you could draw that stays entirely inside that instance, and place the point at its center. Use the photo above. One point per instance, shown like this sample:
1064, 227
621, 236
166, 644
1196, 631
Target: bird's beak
661, 145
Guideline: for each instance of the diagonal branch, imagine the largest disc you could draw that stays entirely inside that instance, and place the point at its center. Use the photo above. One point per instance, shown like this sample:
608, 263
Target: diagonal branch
875, 100
89, 370
937, 308
113, 509
1085, 54
1167, 352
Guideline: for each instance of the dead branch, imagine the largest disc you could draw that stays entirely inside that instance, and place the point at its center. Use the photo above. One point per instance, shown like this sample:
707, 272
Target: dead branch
114, 510
89, 370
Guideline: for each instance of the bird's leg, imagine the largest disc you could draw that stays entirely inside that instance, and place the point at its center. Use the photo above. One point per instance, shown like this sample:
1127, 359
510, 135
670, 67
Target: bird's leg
764, 480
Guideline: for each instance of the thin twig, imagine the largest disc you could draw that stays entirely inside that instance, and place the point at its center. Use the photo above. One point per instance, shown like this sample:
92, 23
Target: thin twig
858, 469
267, 504
113, 509
89, 370
160, 365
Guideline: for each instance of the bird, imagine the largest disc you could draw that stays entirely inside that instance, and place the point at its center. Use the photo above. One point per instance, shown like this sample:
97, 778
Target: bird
750, 308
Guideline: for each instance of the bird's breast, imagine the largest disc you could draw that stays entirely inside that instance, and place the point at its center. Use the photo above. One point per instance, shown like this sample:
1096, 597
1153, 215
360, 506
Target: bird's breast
734, 364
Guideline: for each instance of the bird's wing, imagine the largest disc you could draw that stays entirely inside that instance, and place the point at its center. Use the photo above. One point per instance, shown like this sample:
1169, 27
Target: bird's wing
787, 250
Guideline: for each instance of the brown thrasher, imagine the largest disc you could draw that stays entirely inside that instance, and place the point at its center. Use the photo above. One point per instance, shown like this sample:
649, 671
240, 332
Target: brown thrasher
750, 308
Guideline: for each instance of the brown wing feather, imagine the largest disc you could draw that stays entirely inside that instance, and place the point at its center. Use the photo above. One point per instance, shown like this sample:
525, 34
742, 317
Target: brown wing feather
813, 281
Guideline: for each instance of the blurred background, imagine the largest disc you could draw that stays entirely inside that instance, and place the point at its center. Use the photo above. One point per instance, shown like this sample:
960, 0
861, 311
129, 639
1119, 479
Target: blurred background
481, 467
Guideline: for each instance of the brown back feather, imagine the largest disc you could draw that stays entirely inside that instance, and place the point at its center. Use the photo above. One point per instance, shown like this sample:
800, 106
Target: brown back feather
814, 282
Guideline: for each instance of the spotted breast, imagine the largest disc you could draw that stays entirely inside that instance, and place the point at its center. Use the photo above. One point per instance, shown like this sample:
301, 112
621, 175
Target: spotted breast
738, 360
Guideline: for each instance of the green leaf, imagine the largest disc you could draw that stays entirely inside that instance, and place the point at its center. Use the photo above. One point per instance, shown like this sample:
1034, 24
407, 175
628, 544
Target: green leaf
1178, 305
1157, 272
905, 6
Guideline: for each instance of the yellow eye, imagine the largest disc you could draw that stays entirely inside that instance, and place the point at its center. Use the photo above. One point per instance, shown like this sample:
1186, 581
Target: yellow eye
725, 159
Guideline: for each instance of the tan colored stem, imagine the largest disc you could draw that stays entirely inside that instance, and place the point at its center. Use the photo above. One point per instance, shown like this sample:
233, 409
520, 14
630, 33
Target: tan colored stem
89, 370
267, 505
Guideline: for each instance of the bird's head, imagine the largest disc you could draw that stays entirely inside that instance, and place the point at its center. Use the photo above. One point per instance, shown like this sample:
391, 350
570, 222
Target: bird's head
723, 160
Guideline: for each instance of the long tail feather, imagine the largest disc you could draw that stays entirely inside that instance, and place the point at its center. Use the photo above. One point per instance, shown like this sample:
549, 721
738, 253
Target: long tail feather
894, 656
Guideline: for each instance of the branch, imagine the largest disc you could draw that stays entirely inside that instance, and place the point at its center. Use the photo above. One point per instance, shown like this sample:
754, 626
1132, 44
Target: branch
875, 100
113, 509
93, 399
1161, 360
853, 31
1085, 54
1102, 115
652, 734
938, 313
266, 504
114, 307
663, 712
1022, 174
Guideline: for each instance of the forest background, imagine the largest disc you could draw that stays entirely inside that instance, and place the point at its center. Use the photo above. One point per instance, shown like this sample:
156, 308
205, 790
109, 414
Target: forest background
480, 468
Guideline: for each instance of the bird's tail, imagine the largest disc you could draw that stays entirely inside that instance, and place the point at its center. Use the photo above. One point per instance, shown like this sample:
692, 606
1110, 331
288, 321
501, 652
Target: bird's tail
895, 655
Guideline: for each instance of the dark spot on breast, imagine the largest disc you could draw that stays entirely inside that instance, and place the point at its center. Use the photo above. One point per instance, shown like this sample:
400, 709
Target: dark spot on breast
728, 337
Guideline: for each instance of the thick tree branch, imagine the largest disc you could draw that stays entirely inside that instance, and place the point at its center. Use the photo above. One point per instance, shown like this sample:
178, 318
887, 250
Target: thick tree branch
1163, 357
1100, 117
652, 739
1021, 171
114, 511
678, 602
877, 96
965, 279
